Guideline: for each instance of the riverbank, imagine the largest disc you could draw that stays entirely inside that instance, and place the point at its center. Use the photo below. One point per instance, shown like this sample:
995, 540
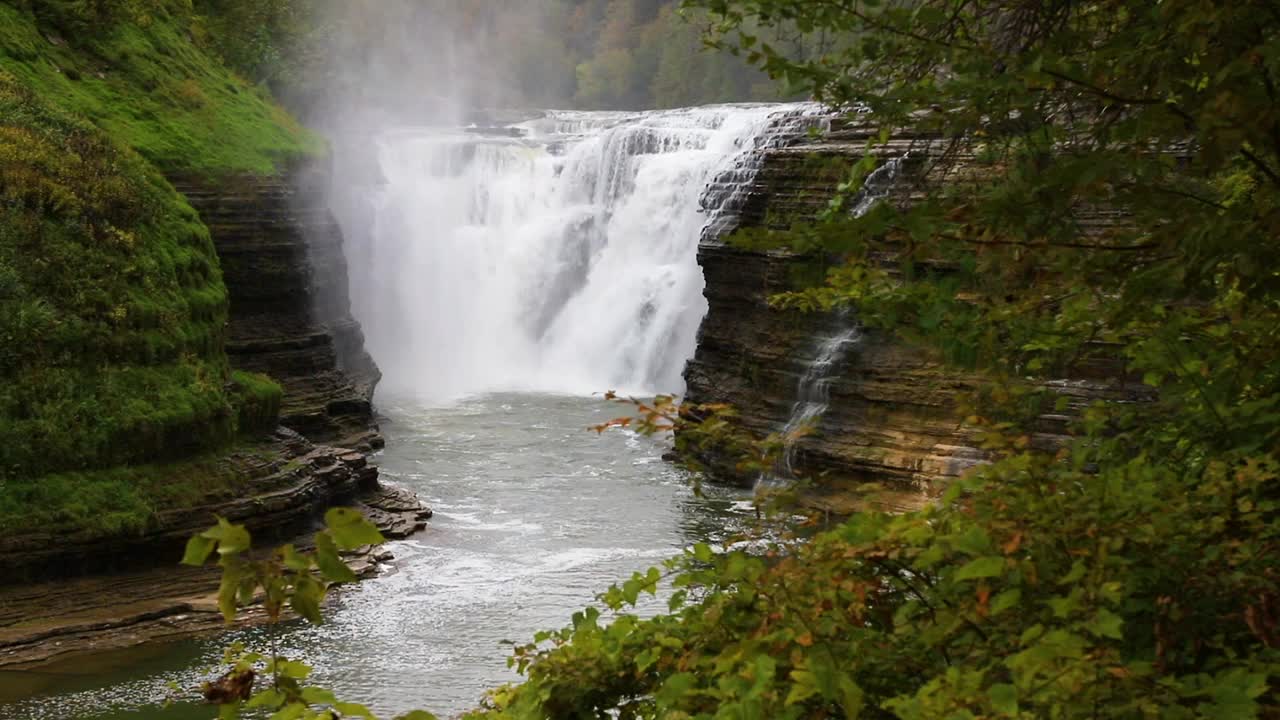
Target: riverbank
46, 622
534, 515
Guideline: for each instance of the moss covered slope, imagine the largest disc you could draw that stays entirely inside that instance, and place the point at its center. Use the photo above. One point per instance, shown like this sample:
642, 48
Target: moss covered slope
111, 325
113, 374
134, 69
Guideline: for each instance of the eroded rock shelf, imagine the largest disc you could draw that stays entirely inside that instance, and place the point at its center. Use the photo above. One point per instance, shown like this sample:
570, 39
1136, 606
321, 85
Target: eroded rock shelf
282, 261
892, 417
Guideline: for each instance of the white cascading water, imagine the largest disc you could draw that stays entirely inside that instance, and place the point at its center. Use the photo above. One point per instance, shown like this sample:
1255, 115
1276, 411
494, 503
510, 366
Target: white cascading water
813, 391
557, 254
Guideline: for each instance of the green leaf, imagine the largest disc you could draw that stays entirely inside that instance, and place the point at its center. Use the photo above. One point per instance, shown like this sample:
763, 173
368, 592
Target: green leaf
1107, 624
292, 669
350, 529
232, 539
702, 552
1004, 699
292, 711
983, 567
198, 550
1077, 571
1005, 600
417, 715
269, 698
294, 560
675, 688
803, 687
229, 591
306, 598
331, 566
646, 658
353, 710
318, 696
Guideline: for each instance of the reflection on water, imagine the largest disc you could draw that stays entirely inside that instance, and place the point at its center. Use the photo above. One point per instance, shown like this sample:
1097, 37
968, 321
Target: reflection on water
534, 516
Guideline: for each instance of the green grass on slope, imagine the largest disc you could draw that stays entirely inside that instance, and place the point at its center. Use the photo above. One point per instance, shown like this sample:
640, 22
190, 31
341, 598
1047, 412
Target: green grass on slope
112, 306
144, 80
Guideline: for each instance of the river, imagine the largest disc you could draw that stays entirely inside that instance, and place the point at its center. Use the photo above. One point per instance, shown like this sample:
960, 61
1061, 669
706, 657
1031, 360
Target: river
535, 514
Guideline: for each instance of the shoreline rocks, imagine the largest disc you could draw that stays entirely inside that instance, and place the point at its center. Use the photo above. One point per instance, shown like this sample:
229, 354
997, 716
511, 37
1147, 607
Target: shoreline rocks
153, 598
291, 482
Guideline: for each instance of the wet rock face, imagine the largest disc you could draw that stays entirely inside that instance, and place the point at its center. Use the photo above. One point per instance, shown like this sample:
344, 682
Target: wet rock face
282, 261
892, 415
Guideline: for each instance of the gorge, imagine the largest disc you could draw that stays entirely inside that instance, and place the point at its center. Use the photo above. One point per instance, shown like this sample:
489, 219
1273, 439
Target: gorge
946, 335
502, 276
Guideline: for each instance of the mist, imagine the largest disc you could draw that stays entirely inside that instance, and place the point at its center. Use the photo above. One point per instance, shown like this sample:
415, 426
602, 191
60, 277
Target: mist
516, 215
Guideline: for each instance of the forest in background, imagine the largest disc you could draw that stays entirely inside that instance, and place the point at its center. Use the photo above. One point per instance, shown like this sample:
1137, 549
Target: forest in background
419, 56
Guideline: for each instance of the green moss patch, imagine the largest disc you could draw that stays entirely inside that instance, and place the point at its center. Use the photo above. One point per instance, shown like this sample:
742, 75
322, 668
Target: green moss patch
257, 399
123, 500
112, 306
139, 75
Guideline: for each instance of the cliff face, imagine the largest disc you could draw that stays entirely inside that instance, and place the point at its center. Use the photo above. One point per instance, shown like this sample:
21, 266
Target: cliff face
127, 311
892, 415
282, 261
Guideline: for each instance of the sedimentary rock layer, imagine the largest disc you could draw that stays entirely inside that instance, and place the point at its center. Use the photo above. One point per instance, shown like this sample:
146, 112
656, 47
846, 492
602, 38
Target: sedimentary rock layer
282, 261
287, 483
892, 416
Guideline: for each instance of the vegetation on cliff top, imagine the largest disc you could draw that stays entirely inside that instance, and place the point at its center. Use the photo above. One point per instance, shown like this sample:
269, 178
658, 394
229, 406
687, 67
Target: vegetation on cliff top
135, 70
112, 305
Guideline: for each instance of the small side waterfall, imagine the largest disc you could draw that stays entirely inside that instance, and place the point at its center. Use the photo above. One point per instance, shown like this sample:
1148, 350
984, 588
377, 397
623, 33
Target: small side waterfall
877, 186
813, 390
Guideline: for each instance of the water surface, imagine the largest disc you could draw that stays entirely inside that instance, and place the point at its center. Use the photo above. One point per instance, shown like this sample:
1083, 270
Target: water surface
535, 515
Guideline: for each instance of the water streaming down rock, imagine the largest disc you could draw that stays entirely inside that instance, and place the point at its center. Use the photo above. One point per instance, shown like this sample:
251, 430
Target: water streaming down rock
813, 390
556, 254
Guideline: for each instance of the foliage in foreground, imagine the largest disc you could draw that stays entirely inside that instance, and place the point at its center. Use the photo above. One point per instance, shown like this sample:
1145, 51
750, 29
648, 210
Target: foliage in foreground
1125, 592
286, 580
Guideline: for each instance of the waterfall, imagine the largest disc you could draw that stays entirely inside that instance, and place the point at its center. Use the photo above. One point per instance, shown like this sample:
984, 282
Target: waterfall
813, 389
813, 392
557, 254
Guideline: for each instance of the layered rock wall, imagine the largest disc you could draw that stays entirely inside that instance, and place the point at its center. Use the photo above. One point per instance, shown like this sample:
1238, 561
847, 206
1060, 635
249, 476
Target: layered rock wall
282, 261
892, 416
284, 483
